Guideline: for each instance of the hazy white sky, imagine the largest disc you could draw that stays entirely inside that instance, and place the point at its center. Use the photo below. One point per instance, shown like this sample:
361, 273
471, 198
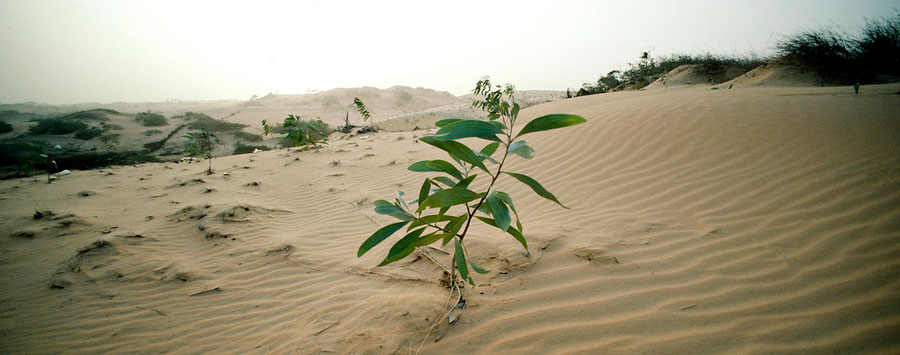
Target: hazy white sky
104, 51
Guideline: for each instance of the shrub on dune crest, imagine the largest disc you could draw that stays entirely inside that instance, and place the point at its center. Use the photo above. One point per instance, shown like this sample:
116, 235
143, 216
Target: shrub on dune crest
846, 60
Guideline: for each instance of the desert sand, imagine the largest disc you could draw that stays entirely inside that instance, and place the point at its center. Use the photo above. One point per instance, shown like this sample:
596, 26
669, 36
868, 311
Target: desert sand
761, 219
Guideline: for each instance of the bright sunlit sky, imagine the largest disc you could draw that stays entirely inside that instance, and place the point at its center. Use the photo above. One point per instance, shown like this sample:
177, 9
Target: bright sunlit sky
104, 51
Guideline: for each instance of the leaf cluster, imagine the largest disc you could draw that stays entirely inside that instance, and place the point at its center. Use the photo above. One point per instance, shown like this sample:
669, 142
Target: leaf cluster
446, 204
300, 133
201, 143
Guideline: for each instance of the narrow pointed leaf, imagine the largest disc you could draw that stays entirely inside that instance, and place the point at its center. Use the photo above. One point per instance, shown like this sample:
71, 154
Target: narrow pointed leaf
436, 165
464, 183
448, 197
483, 157
498, 210
466, 129
402, 247
490, 148
444, 180
426, 188
444, 122
536, 186
509, 202
512, 231
400, 200
432, 219
386, 208
456, 150
461, 260
453, 227
548, 122
428, 239
477, 268
379, 236
521, 149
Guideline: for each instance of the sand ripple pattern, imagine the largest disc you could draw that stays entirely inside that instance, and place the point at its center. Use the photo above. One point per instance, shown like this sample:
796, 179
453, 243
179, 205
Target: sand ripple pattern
754, 220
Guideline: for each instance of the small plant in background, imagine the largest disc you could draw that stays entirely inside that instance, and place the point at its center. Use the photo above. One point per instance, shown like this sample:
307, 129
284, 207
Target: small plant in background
267, 129
347, 127
856, 88
308, 134
446, 206
39, 154
200, 145
150, 119
366, 115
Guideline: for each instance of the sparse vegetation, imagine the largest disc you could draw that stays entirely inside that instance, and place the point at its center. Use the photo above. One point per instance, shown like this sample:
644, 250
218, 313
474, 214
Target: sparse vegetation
202, 121
299, 133
88, 133
152, 132
648, 69
445, 206
200, 145
240, 148
366, 115
246, 136
5, 127
56, 126
38, 154
149, 119
97, 115
842, 59
110, 127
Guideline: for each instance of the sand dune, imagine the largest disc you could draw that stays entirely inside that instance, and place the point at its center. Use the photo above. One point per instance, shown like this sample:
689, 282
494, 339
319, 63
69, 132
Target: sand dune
752, 220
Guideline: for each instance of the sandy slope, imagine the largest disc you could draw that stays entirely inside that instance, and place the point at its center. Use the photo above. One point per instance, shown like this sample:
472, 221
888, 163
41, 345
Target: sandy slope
747, 220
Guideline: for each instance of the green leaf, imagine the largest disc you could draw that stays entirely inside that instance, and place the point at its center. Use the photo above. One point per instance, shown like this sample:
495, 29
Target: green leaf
509, 202
453, 227
444, 180
448, 197
515, 110
386, 208
477, 268
521, 149
379, 236
426, 188
498, 210
490, 148
402, 247
536, 186
512, 231
436, 165
428, 239
400, 199
444, 122
456, 150
464, 183
548, 122
432, 219
461, 260
468, 128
